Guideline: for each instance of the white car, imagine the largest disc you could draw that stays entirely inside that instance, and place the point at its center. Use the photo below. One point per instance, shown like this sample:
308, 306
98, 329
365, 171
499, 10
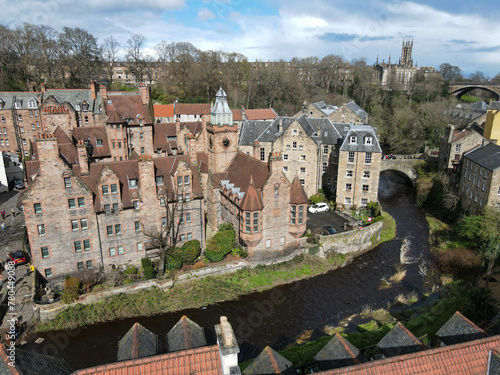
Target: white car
320, 207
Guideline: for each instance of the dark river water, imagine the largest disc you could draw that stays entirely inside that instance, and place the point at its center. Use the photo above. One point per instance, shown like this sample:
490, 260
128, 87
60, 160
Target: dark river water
278, 316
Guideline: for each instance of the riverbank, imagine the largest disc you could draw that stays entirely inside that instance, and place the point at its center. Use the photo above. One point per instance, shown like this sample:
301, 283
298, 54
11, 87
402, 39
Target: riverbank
198, 293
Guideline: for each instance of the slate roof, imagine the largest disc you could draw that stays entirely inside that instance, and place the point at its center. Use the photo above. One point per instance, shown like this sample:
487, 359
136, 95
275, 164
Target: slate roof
459, 329
468, 358
399, 341
192, 108
92, 134
269, 362
221, 105
75, 97
23, 97
327, 109
338, 352
360, 112
129, 106
361, 131
260, 114
205, 360
323, 127
494, 105
186, 334
32, 363
163, 110
138, 342
487, 156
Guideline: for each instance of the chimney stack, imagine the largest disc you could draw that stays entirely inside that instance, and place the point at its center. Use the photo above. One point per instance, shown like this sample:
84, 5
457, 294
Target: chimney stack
30, 88
43, 88
275, 162
280, 124
83, 160
93, 89
104, 92
228, 346
145, 93
256, 150
192, 148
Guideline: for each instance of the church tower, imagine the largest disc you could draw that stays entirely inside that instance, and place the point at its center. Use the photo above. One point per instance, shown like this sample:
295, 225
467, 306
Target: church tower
222, 134
406, 51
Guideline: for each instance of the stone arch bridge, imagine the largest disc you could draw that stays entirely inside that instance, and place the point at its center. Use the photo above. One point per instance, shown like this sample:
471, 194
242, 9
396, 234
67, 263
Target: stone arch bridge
460, 89
406, 166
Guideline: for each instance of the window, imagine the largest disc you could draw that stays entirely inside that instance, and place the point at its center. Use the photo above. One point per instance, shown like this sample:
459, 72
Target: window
163, 221
74, 225
268, 243
114, 188
302, 170
288, 147
186, 180
348, 187
187, 197
183, 238
365, 188
48, 272
5, 131
118, 229
353, 140
282, 240
78, 246
364, 201
32, 126
189, 236
262, 154
45, 252
295, 132
98, 142
179, 180
366, 174
109, 230
107, 208
188, 217
293, 214
302, 158
350, 157
84, 224
89, 264
368, 158
37, 123
79, 266
162, 201
20, 117
294, 145
115, 207
136, 205
159, 180
105, 189
120, 249
498, 193
285, 156
3, 118
86, 245
458, 147
285, 169
112, 251
143, 150
31, 104
368, 141
67, 182
137, 226
485, 172
302, 181
21, 129
348, 173
139, 246
113, 145
132, 183
38, 208
81, 202
141, 136
347, 200
325, 150
301, 214
24, 141
71, 203
86, 119
484, 185
41, 229
301, 147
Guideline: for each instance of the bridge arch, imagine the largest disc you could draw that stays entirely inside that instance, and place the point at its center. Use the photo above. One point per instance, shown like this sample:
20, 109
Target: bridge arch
459, 90
404, 166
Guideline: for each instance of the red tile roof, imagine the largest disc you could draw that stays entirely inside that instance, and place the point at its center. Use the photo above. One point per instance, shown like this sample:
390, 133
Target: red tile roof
469, 358
192, 108
92, 134
297, 193
161, 132
242, 168
260, 114
459, 135
163, 110
66, 147
128, 106
251, 200
204, 360
237, 115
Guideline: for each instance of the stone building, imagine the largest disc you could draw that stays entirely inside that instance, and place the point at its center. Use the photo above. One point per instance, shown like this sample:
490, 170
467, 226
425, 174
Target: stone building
454, 144
480, 179
346, 113
492, 125
82, 216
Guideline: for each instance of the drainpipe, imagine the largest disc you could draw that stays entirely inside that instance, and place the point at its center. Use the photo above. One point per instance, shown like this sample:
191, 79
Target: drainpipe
100, 244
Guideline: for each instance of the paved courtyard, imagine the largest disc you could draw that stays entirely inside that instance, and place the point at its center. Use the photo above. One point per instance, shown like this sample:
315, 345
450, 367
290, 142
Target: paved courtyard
320, 219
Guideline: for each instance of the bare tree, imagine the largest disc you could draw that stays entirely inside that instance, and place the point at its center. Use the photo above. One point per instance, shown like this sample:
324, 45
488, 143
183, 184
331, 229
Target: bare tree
135, 56
109, 51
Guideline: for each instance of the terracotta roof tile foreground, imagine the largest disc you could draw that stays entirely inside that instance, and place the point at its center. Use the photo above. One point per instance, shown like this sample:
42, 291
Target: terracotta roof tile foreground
469, 358
163, 110
205, 360
260, 114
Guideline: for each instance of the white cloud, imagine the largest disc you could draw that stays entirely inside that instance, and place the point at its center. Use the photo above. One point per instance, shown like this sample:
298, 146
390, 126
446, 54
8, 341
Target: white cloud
204, 15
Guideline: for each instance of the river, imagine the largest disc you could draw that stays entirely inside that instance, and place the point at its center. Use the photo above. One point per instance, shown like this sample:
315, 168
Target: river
278, 316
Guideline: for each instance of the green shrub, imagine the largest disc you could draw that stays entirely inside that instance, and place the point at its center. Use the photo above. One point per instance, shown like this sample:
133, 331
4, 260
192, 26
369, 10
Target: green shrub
317, 198
71, 290
173, 260
214, 252
221, 244
374, 208
147, 266
127, 281
238, 251
190, 251
132, 270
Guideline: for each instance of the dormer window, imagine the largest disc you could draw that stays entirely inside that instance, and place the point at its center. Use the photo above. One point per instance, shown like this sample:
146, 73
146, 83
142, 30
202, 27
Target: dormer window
368, 141
141, 122
132, 183
85, 106
2, 104
32, 103
98, 142
77, 107
353, 140
159, 180
17, 105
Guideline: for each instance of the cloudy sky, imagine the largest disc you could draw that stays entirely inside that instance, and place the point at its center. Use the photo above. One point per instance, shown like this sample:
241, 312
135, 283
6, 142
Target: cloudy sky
462, 33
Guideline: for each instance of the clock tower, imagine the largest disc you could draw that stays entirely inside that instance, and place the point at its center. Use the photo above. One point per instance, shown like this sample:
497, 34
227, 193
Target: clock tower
222, 134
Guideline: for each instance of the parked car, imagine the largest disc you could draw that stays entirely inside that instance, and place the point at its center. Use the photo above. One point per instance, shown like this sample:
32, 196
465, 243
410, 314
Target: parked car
327, 229
18, 184
18, 257
320, 207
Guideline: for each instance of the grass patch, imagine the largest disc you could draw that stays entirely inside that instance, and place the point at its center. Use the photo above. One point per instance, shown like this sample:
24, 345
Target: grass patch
389, 228
371, 326
399, 275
